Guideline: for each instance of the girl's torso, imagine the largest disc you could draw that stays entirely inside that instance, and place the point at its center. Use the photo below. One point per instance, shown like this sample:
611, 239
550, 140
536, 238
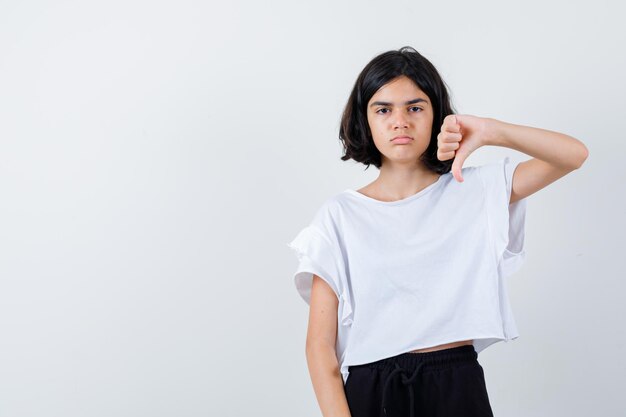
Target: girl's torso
370, 192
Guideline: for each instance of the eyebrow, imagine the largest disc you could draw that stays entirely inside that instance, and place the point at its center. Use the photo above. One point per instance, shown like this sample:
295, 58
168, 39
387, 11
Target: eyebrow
384, 103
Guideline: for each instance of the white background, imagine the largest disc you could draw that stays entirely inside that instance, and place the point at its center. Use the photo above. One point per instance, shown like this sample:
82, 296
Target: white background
155, 158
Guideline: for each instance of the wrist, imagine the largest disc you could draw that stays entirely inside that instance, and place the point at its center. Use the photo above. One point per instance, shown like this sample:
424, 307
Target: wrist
495, 132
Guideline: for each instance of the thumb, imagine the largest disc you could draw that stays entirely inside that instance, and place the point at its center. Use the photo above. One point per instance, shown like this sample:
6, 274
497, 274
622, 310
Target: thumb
457, 166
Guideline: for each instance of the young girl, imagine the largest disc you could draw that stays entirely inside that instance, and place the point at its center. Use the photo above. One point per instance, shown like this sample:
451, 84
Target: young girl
405, 277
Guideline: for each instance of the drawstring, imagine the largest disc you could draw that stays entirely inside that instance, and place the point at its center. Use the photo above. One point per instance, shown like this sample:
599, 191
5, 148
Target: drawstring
408, 382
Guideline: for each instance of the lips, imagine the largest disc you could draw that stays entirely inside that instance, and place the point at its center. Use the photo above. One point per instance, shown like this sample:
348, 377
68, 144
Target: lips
402, 139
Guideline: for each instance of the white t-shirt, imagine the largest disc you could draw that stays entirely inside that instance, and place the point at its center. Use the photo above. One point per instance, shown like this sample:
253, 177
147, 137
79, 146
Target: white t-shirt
418, 272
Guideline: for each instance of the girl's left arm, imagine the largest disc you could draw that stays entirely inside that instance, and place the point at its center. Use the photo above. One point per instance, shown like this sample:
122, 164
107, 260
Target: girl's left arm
554, 154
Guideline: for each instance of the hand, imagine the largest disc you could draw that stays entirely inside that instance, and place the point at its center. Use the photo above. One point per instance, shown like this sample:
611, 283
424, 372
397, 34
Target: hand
460, 136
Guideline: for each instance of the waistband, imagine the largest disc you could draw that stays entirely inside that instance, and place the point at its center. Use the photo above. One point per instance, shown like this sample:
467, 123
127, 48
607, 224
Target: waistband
428, 360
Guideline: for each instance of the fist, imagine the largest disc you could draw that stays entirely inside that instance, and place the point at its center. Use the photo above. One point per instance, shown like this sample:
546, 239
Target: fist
460, 135
449, 138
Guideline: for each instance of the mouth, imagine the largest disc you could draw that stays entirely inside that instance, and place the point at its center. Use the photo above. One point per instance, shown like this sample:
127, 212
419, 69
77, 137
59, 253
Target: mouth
403, 139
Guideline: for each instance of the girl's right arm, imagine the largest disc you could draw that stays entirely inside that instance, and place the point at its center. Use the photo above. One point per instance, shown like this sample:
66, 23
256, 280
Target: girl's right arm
320, 351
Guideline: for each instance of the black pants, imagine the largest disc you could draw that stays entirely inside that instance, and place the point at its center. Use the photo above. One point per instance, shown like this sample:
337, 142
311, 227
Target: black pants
443, 383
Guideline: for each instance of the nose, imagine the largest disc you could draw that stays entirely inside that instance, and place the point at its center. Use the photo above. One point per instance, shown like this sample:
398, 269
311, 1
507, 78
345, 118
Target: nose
400, 121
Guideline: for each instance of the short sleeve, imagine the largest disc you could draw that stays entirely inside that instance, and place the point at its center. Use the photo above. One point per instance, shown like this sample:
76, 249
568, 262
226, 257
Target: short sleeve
506, 221
317, 255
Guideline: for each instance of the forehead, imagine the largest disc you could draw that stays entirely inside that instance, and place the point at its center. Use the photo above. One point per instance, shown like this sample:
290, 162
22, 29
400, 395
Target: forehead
399, 89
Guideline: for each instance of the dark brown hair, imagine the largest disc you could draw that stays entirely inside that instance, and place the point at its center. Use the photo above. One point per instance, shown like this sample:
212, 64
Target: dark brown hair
354, 131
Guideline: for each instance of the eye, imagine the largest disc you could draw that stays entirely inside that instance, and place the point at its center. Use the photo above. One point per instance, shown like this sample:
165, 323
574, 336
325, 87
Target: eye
415, 107
380, 110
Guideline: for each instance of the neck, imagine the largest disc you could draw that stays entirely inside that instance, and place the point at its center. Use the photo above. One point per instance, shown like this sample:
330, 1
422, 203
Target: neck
398, 181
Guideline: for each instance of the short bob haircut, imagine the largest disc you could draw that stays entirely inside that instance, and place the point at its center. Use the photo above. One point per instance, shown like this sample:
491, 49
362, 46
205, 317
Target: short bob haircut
354, 131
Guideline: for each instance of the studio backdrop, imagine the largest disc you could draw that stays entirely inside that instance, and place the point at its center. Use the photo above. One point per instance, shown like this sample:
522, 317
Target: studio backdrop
156, 157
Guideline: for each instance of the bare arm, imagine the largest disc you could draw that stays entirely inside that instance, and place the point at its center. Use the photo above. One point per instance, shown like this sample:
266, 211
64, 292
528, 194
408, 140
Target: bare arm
320, 351
555, 155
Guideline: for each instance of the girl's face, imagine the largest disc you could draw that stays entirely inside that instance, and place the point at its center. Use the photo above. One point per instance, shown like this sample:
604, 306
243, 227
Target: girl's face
399, 108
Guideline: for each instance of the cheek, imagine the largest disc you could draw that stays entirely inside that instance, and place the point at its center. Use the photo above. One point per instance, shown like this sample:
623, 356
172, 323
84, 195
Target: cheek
375, 128
371, 123
378, 138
